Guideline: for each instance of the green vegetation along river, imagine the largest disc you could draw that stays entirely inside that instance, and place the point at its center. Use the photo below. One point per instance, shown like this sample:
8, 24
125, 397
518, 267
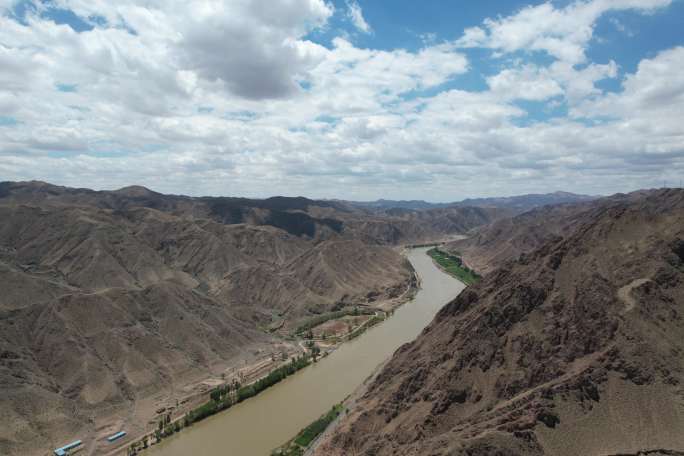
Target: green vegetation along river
260, 424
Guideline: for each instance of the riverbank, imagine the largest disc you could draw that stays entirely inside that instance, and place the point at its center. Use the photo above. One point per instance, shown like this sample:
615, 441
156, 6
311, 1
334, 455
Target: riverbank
174, 419
348, 404
302, 441
260, 424
453, 265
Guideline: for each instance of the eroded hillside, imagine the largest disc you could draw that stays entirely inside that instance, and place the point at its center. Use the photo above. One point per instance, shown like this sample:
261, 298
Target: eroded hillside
115, 303
574, 348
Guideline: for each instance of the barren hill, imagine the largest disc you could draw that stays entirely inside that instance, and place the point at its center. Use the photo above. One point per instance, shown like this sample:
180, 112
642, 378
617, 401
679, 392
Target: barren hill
576, 348
507, 238
114, 302
310, 219
515, 204
489, 246
406, 226
523, 203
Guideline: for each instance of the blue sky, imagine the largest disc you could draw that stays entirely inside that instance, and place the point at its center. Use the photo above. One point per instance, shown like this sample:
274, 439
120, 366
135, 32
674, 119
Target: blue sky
343, 99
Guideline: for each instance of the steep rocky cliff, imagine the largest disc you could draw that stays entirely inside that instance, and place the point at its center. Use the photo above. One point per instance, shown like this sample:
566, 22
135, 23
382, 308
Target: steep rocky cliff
576, 348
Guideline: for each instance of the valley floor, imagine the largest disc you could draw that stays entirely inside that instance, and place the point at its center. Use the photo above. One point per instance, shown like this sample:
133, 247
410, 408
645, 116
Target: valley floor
295, 402
257, 363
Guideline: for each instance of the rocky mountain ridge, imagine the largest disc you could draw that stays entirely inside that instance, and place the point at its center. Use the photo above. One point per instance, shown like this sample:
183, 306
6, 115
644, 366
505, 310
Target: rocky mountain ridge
315, 220
515, 204
573, 348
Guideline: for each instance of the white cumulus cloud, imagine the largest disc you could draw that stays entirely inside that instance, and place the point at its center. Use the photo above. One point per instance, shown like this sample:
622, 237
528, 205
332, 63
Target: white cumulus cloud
561, 32
235, 97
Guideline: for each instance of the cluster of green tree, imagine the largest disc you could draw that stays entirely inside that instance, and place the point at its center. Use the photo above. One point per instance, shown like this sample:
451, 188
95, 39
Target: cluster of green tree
226, 396
219, 393
312, 322
314, 349
272, 378
415, 246
309, 433
374, 320
171, 429
205, 410
454, 266
300, 443
138, 446
221, 398
166, 428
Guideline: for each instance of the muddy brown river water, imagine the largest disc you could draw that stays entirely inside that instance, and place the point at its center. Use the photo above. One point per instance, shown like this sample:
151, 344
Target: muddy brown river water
260, 424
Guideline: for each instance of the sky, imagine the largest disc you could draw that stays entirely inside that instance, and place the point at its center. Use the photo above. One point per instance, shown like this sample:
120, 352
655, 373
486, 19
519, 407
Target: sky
353, 99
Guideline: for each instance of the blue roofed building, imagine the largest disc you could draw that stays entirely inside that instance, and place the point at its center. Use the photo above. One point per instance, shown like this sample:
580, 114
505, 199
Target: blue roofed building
63, 451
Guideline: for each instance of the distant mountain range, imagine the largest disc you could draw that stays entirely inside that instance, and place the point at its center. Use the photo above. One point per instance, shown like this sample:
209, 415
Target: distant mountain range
399, 204
520, 203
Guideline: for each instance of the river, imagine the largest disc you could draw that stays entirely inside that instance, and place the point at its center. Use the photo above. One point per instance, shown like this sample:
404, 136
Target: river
260, 424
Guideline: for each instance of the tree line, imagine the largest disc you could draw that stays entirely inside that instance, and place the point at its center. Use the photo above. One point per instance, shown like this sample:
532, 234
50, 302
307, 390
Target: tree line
221, 398
226, 396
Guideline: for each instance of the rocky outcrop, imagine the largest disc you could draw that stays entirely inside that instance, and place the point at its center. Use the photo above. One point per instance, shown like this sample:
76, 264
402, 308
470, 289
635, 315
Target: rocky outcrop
543, 356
